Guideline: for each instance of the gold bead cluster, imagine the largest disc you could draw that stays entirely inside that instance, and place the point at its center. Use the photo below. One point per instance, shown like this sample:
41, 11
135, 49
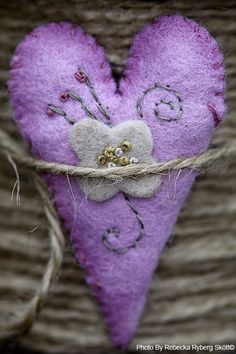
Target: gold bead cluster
114, 156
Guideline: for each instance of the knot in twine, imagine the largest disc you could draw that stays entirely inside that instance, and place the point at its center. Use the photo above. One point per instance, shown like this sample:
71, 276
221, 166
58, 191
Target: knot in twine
16, 152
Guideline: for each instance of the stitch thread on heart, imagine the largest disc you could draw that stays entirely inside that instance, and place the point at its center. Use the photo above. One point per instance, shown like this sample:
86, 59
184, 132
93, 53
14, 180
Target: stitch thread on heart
161, 101
81, 76
114, 230
26, 320
107, 233
192, 55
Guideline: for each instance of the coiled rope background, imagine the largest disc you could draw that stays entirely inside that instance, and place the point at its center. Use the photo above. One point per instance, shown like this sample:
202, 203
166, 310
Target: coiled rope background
193, 292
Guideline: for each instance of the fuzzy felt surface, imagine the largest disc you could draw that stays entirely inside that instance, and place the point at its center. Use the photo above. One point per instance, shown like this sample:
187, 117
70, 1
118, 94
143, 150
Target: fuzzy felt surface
172, 51
89, 138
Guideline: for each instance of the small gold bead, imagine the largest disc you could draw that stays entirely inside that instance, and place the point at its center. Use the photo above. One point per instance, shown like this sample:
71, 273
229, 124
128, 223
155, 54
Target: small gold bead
101, 160
109, 151
113, 159
126, 146
124, 161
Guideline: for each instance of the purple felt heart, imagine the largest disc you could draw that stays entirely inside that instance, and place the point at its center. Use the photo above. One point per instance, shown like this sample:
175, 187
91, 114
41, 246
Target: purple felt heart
174, 82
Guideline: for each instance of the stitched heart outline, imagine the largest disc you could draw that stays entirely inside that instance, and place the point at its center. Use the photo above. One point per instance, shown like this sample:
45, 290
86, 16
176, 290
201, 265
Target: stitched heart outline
173, 53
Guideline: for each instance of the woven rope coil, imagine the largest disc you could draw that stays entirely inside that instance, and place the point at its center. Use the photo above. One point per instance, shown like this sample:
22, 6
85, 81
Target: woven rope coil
193, 291
16, 152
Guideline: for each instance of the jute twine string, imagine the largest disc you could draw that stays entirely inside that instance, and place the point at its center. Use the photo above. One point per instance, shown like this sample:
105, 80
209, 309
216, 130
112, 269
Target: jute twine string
136, 170
23, 322
16, 152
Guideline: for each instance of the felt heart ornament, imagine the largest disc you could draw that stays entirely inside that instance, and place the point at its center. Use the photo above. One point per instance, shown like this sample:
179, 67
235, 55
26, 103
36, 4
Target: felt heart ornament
71, 111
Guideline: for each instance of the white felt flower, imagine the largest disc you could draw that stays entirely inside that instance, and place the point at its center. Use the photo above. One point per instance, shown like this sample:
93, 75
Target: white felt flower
97, 145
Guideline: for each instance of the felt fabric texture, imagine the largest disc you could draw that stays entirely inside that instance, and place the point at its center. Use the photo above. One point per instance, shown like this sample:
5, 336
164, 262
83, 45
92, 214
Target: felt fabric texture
172, 51
89, 138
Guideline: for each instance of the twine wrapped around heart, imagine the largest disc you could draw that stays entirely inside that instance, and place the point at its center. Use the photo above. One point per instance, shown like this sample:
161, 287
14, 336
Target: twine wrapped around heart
16, 152
115, 173
181, 103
